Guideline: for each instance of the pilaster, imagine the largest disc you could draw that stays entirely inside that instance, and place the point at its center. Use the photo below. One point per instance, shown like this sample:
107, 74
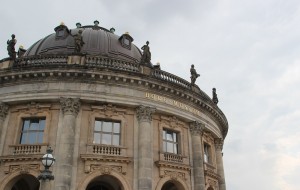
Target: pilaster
219, 157
70, 108
196, 130
145, 147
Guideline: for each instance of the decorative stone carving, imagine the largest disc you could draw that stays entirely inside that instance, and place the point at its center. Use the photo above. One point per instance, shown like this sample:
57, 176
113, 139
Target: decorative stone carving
11, 47
78, 41
3, 110
144, 113
23, 168
171, 121
146, 57
194, 75
70, 106
219, 143
215, 96
196, 128
174, 174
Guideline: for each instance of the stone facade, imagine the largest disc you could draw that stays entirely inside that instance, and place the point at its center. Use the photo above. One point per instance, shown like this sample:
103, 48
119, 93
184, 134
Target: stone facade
124, 127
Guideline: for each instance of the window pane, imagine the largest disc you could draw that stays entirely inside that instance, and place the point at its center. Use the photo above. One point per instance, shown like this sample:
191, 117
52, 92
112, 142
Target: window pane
96, 138
175, 137
164, 146
107, 126
116, 127
34, 125
164, 134
98, 125
175, 149
170, 147
31, 138
23, 138
116, 140
106, 139
42, 124
40, 137
26, 125
169, 136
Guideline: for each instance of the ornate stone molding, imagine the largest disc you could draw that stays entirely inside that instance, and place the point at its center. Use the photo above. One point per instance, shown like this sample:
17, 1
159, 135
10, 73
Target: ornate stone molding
196, 128
144, 113
3, 110
70, 106
171, 122
22, 168
219, 143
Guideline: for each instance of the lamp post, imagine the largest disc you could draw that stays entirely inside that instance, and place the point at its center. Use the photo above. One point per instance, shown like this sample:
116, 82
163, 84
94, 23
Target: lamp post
46, 175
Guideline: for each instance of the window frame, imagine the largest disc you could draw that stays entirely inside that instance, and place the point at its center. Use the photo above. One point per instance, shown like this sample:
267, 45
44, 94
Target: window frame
175, 143
112, 133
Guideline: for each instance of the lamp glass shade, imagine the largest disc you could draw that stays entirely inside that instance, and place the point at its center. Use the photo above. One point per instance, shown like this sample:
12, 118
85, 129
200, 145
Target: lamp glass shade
48, 160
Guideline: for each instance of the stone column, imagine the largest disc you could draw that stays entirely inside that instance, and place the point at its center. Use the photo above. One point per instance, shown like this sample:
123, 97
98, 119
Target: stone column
196, 130
145, 147
70, 108
3, 113
220, 168
45, 184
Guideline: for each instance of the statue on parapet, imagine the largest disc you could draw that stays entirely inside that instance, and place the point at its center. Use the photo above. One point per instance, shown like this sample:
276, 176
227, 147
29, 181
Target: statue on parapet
194, 75
11, 47
215, 96
146, 57
78, 41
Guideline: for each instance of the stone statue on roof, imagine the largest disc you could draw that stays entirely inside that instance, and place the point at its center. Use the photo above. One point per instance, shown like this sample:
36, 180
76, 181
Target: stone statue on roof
215, 96
11, 47
146, 57
194, 75
78, 41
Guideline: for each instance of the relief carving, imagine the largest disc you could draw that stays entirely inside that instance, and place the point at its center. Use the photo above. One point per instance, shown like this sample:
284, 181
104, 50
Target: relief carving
107, 169
144, 113
174, 174
219, 144
23, 169
171, 121
3, 110
196, 128
70, 106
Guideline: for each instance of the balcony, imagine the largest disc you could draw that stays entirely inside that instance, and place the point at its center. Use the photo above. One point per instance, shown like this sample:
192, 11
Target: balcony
108, 150
25, 149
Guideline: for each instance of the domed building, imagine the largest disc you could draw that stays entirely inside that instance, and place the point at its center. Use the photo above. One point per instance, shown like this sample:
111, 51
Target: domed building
113, 119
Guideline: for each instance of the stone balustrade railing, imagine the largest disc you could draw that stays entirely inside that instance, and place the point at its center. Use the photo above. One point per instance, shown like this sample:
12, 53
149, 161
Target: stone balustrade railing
163, 75
105, 150
28, 149
102, 62
173, 157
40, 61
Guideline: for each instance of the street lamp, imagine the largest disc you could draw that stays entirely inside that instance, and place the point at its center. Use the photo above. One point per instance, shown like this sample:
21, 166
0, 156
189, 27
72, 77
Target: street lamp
47, 160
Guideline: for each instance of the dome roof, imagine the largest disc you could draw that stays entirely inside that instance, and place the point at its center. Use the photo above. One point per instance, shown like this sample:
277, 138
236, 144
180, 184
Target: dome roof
98, 41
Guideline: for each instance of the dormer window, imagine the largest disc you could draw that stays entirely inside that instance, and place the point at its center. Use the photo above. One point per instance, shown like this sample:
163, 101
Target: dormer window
61, 31
126, 40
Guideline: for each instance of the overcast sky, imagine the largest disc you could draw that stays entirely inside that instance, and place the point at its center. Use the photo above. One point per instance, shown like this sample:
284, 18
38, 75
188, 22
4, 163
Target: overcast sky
248, 49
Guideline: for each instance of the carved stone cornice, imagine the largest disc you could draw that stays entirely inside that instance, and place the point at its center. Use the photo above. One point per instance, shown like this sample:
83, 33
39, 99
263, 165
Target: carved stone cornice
219, 143
196, 128
144, 113
70, 106
3, 110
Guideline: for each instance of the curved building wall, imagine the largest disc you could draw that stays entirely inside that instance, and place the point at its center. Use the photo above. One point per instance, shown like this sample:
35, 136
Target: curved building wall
114, 124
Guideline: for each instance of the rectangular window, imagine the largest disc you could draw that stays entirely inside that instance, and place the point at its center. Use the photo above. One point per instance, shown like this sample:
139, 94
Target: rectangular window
107, 132
32, 131
170, 141
207, 153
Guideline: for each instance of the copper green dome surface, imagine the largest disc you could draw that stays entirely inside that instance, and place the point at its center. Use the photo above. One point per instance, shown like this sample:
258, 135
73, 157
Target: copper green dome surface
97, 42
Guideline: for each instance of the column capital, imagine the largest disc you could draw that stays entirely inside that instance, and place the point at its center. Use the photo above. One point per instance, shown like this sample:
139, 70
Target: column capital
70, 106
196, 128
219, 143
144, 113
3, 110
